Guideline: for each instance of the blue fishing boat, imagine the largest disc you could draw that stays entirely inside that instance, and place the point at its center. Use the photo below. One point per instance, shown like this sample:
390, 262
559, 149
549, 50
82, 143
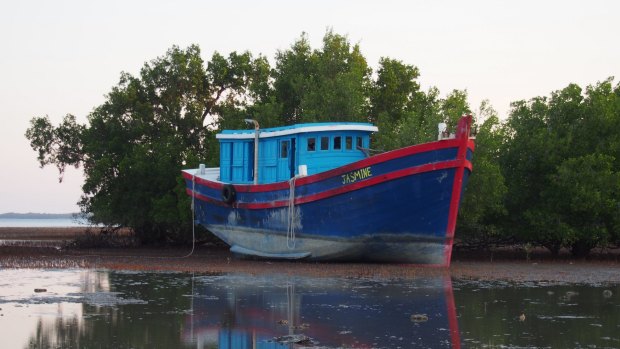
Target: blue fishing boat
313, 191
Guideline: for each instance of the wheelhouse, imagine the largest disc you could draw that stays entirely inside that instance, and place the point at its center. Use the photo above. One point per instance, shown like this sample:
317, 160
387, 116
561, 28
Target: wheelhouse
285, 151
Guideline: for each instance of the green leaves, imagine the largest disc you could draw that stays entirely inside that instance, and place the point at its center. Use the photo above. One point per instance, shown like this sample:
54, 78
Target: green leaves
421, 113
153, 124
394, 92
549, 175
483, 209
585, 192
136, 142
59, 146
561, 165
326, 84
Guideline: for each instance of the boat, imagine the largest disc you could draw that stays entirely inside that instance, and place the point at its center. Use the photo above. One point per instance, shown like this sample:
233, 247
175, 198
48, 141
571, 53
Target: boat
315, 191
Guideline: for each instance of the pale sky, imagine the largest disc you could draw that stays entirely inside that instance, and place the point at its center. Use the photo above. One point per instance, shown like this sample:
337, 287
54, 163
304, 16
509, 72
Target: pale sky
62, 57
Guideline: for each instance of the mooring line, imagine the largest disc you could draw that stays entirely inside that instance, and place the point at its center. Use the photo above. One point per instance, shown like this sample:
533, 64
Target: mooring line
290, 229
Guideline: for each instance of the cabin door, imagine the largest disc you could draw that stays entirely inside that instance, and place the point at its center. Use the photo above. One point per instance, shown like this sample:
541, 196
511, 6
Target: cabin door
285, 157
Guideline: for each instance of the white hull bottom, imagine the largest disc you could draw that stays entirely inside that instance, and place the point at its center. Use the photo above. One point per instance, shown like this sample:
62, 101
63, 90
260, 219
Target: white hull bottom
400, 248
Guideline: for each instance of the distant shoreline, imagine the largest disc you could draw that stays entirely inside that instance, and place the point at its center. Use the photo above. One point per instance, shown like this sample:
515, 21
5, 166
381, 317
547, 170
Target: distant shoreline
31, 215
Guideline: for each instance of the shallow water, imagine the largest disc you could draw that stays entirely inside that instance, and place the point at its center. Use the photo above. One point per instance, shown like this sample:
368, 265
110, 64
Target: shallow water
116, 309
43, 222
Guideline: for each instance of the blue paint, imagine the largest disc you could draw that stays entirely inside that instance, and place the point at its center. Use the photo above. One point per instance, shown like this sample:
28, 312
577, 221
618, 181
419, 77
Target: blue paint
279, 157
394, 207
336, 181
236, 161
417, 204
407, 216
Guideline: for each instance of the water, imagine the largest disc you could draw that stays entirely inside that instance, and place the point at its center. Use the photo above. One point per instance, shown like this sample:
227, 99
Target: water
42, 223
538, 315
116, 309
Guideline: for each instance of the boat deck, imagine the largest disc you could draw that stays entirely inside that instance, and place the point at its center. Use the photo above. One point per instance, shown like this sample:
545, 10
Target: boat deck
210, 174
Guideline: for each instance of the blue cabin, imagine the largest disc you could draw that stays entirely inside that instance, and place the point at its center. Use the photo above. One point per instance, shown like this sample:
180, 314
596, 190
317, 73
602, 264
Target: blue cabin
282, 150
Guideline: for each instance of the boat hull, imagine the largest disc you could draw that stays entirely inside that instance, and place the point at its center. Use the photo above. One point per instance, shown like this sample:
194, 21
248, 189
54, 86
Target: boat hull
272, 244
399, 206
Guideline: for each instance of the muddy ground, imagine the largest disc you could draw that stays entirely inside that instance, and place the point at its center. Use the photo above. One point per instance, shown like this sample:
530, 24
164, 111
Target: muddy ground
508, 264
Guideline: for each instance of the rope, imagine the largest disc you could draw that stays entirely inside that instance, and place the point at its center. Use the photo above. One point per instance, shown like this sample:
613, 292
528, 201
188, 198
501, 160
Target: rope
193, 214
290, 229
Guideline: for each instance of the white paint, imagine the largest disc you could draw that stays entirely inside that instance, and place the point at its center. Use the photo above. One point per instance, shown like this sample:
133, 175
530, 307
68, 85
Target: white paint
303, 170
441, 129
443, 176
305, 129
210, 173
278, 219
233, 217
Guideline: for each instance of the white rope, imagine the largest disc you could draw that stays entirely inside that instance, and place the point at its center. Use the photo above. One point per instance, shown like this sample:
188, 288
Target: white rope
193, 219
290, 231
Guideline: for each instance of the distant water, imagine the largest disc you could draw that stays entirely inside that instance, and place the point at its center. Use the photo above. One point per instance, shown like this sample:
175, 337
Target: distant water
43, 222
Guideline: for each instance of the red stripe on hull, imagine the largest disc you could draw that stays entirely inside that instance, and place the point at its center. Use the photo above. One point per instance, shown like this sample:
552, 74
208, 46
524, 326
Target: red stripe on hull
455, 334
458, 164
463, 138
391, 155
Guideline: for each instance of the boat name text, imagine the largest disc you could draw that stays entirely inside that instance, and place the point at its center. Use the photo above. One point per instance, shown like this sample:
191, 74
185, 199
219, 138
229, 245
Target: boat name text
357, 175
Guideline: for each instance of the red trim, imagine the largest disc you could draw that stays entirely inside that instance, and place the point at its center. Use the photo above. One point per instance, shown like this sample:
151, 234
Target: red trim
391, 155
455, 334
205, 198
205, 182
463, 131
383, 157
458, 164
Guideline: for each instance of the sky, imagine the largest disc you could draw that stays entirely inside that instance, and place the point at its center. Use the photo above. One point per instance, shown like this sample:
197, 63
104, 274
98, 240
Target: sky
62, 57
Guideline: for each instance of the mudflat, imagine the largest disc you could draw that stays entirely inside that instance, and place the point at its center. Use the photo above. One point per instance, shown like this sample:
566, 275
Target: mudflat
215, 259
51, 233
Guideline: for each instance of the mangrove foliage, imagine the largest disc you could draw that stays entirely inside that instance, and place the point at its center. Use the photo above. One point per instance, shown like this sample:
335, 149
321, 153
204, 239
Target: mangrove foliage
548, 175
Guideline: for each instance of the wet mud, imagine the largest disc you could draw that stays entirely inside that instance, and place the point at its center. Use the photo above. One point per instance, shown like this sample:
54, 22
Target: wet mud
214, 259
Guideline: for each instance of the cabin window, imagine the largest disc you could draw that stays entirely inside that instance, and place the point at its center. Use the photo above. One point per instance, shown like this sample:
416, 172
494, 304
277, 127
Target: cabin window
337, 143
284, 149
359, 142
311, 144
324, 143
349, 142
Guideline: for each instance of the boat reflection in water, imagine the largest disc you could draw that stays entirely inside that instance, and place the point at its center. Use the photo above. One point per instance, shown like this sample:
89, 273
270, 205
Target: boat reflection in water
123, 309
76, 308
282, 312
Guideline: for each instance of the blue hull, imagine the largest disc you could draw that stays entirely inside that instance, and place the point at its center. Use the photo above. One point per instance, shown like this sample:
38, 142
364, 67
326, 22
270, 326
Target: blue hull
399, 206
